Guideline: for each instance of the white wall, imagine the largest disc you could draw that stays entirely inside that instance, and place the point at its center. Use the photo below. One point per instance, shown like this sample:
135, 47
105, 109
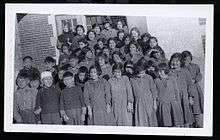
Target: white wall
137, 21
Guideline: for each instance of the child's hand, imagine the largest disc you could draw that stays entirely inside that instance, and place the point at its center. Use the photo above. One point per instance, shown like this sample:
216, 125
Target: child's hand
155, 105
65, 118
108, 108
83, 117
130, 107
37, 111
191, 102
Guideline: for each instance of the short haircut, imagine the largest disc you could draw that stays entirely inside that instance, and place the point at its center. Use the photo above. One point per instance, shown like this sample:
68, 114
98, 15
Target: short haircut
98, 69
111, 38
73, 56
96, 25
67, 74
27, 57
83, 40
153, 37
49, 59
163, 66
80, 26
176, 55
65, 67
119, 54
145, 35
139, 67
89, 31
186, 54
22, 75
120, 31
135, 29
117, 66
101, 39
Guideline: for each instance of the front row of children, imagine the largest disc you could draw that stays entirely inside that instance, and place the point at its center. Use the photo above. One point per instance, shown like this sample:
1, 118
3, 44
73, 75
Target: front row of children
173, 99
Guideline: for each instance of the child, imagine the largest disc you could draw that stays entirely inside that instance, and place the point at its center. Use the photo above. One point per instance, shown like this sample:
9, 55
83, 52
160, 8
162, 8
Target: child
73, 62
50, 64
65, 50
28, 67
120, 39
129, 69
117, 57
104, 66
91, 39
112, 45
98, 99
106, 51
169, 106
185, 85
47, 102
122, 96
121, 27
125, 49
135, 35
198, 95
153, 46
63, 60
97, 29
144, 43
157, 57
72, 107
82, 77
79, 35
99, 46
108, 31
151, 69
83, 45
24, 100
145, 94
87, 58
134, 52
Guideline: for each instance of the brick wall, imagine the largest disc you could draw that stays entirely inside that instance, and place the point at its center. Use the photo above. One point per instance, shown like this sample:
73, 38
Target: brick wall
34, 35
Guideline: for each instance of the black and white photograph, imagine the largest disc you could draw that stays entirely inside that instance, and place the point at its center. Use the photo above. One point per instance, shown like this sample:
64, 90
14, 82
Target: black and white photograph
109, 69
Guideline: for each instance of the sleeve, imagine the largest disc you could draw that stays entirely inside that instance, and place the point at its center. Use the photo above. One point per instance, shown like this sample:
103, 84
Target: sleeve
16, 114
38, 100
129, 90
176, 89
86, 94
198, 74
61, 102
153, 87
189, 82
107, 92
34, 98
161, 51
157, 87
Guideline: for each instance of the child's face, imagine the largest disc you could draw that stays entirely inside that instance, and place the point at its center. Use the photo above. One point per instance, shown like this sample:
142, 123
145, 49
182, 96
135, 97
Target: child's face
65, 50
127, 41
66, 29
73, 62
117, 58
141, 73
162, 74
106, 51
100, 44
89, 55
117, 73
91, 35
47, 81
119, 25
93, 74
69, 81
49, 65
97, 30
129, 70
187, 60
133, 49
107, 26
60, 74
101, 61
134, 34
175, 63
157, 55
145, 39
79, 31
112, 44
81, 45
121, 35
153, 43
35, 84
82, 76
27, 63
23, 82
64, 61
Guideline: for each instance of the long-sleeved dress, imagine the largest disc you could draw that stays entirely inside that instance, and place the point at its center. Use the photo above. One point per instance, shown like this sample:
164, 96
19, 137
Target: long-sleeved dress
198, 95
145, 92
121, 95
97, 96
186, 90
169, 106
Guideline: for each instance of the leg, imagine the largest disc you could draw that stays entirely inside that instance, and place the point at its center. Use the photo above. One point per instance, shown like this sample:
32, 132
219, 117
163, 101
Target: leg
46, 118
56, 119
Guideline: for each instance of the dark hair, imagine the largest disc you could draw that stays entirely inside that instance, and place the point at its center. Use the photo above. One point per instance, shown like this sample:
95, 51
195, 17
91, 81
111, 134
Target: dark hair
98, 69
176, 55
117, 66
22, 75
96, 25
111, 38
65, 67
67, 74
145, 35
119, 54
139, 67
83, 69
120, 31
83, 40
49, 59
89, 31
101, 39
73, 56
35, 76
27, 57
135, 29
80, 26
154, 52
186, 54
163, 66
102, 55
153, 37
136, 45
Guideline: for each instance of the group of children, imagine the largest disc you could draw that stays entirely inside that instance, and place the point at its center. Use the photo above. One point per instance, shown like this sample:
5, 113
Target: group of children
110, 77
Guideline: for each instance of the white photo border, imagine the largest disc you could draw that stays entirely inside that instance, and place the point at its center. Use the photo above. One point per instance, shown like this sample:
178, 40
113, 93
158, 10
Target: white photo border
205, 11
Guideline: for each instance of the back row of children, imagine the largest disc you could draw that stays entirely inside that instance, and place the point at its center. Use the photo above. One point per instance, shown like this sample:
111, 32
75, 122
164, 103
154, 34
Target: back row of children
111, 77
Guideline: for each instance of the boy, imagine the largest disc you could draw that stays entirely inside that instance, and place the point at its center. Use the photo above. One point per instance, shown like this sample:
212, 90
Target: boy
28, 68
50, 64
24, 100
72, 109
47, 102
108, 32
